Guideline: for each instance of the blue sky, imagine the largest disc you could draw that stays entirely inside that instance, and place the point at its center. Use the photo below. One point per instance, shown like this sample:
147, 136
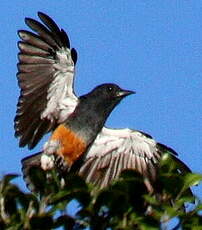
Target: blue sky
152, 47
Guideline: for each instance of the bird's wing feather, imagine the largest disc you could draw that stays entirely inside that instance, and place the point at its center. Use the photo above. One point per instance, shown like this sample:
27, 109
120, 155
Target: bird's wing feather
115, 150
45, 76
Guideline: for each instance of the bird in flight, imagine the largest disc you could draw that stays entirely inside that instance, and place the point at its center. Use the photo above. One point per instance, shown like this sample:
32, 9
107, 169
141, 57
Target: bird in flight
48, 103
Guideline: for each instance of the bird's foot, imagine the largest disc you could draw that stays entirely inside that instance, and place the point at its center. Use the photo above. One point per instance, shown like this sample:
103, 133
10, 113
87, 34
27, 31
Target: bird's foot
47, 162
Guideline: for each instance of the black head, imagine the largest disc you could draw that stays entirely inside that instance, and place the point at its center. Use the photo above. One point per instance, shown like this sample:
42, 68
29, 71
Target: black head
94, 108
110, 92
104, 98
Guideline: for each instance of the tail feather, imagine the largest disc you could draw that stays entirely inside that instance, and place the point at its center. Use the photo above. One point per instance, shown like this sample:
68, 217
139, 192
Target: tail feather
34, 176
29, 164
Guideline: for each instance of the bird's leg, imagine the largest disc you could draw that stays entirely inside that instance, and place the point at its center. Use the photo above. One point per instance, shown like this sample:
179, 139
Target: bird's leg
48, 158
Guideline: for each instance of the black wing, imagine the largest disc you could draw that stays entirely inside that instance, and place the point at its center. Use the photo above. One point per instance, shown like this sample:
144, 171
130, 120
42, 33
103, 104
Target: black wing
45, 76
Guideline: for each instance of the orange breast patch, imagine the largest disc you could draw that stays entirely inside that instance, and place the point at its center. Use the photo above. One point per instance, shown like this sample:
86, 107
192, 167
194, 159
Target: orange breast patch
71, 146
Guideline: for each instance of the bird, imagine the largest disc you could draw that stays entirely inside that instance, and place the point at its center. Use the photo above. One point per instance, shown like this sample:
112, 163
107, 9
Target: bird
48, 103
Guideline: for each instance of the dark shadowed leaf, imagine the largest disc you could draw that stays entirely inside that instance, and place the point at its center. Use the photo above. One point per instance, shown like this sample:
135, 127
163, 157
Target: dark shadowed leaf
41, 222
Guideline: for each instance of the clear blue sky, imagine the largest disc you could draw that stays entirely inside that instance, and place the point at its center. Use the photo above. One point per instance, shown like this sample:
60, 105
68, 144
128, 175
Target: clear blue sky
152, 47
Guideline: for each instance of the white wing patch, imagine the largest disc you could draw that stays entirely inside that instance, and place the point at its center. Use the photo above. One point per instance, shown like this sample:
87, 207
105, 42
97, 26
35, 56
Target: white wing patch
61, 98
122, 140
115, 150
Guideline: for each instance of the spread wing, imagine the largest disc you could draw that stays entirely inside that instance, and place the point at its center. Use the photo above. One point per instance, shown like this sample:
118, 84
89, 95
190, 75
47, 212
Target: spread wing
115, 150
45, 76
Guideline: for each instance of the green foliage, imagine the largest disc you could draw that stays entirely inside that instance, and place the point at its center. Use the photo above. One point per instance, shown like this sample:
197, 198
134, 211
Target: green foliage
124, 205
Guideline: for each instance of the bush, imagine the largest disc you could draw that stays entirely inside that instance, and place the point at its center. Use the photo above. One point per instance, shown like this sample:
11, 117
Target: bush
123, 205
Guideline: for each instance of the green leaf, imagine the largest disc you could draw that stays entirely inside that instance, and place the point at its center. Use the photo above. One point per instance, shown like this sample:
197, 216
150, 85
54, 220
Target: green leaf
151, 199
192, 179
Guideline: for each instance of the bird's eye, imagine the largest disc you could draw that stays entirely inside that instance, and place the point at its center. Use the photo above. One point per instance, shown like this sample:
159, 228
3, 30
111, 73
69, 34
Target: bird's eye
109, 89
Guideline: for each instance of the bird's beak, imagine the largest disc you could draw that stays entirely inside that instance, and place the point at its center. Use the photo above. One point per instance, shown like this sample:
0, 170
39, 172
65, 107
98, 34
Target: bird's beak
124, 93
